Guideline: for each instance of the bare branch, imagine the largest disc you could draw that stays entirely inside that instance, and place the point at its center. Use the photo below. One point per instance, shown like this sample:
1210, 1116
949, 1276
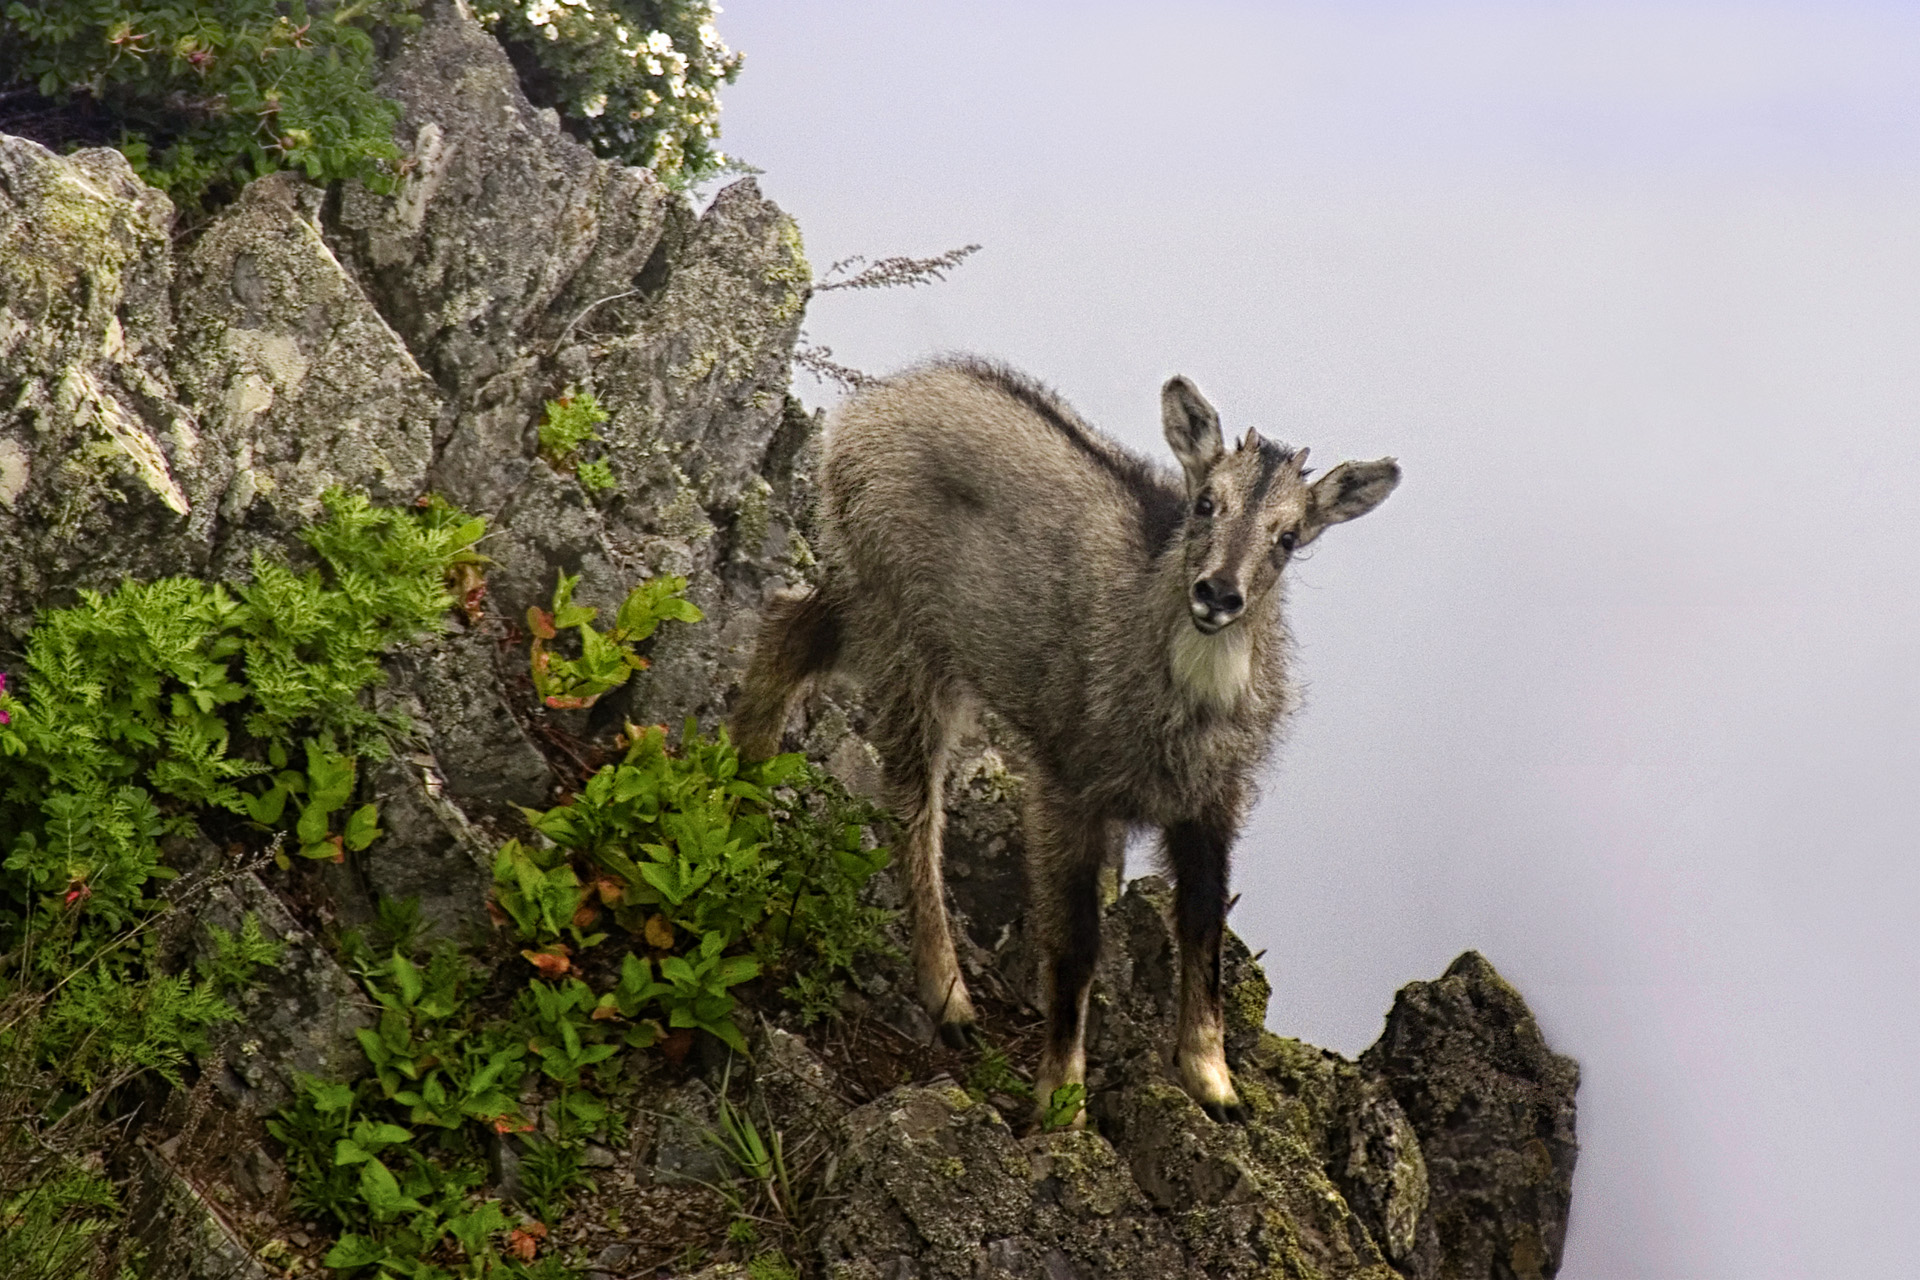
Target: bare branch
818, 360
889, 273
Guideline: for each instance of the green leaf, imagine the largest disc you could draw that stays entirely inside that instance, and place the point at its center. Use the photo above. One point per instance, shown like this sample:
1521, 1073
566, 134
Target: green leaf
267, 807
729, 1033
382, 1191
353, 1250
473, 1227
406, 976
330, 1097
362, 828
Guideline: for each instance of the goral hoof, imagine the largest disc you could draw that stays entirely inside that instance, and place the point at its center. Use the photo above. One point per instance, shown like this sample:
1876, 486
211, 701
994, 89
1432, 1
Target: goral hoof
1225, 1113
963, 1036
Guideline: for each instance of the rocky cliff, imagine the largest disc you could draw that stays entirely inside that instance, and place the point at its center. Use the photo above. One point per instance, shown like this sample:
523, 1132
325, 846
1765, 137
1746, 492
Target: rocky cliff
168, 406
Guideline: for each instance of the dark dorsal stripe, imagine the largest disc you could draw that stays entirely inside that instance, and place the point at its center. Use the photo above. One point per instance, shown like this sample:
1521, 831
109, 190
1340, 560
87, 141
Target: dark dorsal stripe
1272, 457
1159, 506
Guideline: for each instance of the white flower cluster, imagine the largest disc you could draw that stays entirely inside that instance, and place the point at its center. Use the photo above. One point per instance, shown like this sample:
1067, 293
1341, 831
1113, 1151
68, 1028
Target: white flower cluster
643, 90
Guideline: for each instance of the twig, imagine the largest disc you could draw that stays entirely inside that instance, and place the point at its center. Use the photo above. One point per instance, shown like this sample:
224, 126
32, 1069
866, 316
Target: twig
817, 359
890, 273
561, 341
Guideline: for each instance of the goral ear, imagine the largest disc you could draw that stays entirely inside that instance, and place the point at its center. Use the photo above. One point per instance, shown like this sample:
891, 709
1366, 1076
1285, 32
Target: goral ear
1193, 429
1348, 492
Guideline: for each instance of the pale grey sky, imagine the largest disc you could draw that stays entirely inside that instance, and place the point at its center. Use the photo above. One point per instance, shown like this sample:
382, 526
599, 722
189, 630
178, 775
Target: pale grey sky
1620, 687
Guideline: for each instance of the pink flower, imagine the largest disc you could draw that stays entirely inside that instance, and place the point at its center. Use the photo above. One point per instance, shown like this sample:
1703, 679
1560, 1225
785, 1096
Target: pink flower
4, 717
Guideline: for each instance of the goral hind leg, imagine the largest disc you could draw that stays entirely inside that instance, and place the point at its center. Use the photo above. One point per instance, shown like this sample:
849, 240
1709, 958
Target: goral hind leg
910, 733
1197, 852
1066, 852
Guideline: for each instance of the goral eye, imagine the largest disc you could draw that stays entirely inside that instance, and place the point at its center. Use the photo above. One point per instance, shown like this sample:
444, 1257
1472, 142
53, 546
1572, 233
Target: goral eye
1204, 507
1287, 539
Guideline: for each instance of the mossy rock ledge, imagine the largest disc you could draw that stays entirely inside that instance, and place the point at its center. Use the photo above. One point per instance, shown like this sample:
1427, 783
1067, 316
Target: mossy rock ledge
171, 406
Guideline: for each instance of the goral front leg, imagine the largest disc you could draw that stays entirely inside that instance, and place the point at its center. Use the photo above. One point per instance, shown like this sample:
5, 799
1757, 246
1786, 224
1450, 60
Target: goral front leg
1065, 854
1198, 854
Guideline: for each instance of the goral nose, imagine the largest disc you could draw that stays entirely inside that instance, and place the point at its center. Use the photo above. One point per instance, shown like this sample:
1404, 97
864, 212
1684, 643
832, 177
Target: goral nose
1216, 595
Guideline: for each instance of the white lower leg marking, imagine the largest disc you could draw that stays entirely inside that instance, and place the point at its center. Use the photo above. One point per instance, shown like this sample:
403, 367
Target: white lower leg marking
1203, 1064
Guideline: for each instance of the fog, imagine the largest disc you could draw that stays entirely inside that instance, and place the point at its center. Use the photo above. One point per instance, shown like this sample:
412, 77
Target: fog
1620, 687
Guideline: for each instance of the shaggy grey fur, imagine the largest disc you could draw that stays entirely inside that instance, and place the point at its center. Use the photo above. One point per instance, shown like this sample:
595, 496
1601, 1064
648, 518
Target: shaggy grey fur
980, 541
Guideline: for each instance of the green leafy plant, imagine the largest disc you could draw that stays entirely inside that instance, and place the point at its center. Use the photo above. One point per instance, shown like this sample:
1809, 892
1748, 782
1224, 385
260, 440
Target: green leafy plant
1063, 1107
567, 1039
568, 425
405, 1204
693, 991
596, 477
606, 658
67, 1048
762, 1161
993, 1074
634, 79
724, 870
142, 713
209, 95
125, 730
771, 1265
424, 1059
550, 1174
59, 1225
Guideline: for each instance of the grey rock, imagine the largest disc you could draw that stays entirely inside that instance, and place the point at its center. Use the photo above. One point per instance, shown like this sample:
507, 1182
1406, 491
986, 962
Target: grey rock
936, 1185
1494, 1110
930, 1173
480, 750
795, 1088
300, 1016
504, 228
683, 1150
179, 1233
92, 431
296, 381
430, 851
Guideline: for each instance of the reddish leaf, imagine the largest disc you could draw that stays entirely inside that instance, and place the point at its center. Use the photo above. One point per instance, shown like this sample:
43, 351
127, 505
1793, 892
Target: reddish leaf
540, 622
523, 1243
551, 961
678, 1045
585, 915
659, 932
470, 586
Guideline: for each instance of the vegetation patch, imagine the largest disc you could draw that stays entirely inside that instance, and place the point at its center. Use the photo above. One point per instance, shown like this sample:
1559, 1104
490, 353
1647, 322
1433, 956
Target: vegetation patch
714, 874
636, 80
204, 97
138, 716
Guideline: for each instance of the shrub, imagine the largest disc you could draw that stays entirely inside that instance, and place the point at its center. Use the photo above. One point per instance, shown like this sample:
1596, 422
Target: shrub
127, 727
204, 97
141, 713
722, 870
633, 79
209, 95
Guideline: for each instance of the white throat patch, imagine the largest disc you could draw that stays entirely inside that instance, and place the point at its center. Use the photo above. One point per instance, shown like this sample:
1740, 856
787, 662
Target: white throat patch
1213, 671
